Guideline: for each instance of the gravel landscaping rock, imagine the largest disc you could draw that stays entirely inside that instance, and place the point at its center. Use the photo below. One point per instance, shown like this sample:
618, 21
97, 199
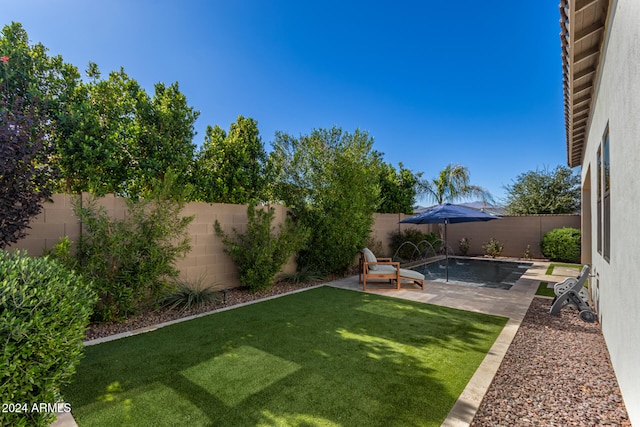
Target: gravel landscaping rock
556, 372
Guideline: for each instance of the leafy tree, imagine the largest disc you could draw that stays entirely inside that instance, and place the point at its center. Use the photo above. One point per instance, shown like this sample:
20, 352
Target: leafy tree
330, 179
108, 135
28, 73
99, 133
452, 184
33, 89
25, 177
75, 126
230, 167
544, 191
114, 138
166, 137
398, 189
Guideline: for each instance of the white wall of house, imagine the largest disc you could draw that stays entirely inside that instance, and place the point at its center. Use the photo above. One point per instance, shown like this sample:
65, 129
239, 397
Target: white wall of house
616, 285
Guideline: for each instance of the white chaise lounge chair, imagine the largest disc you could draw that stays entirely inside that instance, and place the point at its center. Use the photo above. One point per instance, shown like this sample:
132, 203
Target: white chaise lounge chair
376, 269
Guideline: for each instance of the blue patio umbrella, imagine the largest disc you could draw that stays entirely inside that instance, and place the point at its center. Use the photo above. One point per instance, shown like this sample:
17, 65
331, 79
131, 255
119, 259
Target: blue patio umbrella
448, 214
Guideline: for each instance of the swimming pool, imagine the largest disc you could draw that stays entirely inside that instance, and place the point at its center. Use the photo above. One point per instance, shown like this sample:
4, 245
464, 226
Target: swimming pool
476, 272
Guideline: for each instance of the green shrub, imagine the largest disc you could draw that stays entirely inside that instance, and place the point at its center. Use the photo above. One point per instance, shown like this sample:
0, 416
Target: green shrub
415, 236
61, 252
562, 244
260, 253
44, 310
337, 237
131, 261
493, 248
464, 244
330, 179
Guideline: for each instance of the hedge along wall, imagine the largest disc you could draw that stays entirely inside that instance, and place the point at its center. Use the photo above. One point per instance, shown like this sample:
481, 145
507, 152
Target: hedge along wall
515, 232
206, 259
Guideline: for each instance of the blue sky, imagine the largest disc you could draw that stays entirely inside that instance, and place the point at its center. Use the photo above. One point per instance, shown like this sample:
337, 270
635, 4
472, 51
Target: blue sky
477, 83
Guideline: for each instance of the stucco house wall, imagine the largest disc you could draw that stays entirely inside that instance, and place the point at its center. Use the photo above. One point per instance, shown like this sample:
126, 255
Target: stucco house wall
616, 282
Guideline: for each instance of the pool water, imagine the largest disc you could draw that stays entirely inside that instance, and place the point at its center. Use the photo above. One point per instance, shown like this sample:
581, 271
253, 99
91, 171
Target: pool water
476, 272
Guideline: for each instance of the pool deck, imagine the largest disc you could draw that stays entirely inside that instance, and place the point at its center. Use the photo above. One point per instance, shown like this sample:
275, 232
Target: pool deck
512, 303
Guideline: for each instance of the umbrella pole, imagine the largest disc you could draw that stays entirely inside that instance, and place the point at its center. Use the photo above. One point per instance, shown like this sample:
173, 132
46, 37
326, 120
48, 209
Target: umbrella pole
446, 250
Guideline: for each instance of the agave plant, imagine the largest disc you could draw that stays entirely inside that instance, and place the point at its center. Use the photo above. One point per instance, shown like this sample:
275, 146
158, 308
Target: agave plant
305, 275
187, 296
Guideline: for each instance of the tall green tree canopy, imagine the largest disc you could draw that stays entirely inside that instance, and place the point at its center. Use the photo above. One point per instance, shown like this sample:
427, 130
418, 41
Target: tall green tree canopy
544, 191
231, 167
107, 135
451, 185
98, 138
331, 180
30, 74
398, 189
166, 137
33, 87
117, 139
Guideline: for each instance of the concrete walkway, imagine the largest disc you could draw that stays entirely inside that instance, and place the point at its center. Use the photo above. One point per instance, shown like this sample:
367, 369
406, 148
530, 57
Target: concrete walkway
512, 303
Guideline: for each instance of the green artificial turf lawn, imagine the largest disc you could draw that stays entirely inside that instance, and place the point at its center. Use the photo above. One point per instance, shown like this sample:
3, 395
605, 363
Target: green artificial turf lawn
544, 290
323, 357
553, 265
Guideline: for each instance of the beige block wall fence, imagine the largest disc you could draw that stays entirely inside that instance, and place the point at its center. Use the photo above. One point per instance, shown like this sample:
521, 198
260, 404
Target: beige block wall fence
515, 232
208, 261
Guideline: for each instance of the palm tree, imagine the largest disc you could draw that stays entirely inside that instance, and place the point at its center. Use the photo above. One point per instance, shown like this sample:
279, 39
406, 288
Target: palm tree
452, 184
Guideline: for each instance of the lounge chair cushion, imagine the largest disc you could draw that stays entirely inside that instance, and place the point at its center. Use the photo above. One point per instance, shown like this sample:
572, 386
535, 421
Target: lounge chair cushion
371, 258
404, 273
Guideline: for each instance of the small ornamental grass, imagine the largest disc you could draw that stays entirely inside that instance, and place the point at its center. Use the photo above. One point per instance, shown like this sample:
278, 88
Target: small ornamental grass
304, 275
322, 357
187, 296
